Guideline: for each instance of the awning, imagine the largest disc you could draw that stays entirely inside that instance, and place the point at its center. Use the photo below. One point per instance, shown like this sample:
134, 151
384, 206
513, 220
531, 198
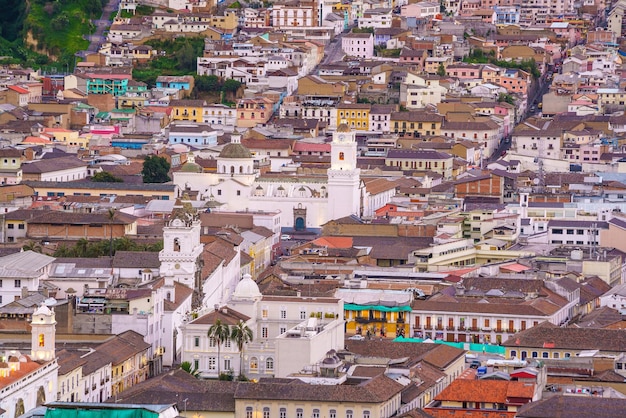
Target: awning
353, 307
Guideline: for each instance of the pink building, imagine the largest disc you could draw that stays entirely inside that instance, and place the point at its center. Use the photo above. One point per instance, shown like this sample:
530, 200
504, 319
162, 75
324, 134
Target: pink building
359, 45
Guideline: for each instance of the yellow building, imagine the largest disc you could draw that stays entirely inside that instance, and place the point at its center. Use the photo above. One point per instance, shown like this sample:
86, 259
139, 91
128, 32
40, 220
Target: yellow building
227, 23
356, 115
189, 110
416, 123
375, 319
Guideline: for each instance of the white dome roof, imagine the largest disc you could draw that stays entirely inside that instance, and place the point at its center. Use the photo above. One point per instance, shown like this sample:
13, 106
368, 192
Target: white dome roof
247, 288
43, 310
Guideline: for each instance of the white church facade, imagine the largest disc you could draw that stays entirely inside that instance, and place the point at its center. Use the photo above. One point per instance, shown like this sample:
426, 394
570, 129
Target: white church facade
305, 201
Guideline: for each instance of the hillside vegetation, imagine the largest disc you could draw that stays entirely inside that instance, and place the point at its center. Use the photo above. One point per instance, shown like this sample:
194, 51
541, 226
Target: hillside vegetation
37, 31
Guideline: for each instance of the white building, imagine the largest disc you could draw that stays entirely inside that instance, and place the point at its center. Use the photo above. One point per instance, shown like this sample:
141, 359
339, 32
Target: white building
311, 199
22, 270
314, 325
27, 382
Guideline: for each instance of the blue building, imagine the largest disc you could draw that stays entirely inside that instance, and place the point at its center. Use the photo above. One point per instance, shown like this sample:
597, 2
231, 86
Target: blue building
197, 135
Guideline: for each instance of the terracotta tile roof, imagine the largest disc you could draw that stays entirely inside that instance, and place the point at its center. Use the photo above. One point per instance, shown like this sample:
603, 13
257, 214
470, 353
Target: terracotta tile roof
376, 390
228, 316
136, 259
461, 390
573, 407
123, 346
606, 340
175, 386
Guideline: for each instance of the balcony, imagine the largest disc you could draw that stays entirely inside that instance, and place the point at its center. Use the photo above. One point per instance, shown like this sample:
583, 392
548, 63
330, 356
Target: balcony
473, 329
450, 328
439, 328
93, 387
363, 320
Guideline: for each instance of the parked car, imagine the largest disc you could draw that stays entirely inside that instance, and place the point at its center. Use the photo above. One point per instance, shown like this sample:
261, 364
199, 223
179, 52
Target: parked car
357, 337
475, 364
285, 237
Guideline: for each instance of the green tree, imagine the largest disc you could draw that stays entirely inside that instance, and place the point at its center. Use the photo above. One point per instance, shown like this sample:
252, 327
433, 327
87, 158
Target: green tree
231, 86
111, 218
241, 334
207, 83
186, 366
504, 97
441, 70
106, 177
220, 332
32, 246
155, 169
186, 57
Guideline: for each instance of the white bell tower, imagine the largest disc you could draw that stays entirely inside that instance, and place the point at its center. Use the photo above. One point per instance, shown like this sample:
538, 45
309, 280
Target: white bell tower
181, 247
43, 329
343, 175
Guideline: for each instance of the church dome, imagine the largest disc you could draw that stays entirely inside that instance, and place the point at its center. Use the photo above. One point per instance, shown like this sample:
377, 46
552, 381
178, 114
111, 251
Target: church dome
191, 168
247, 288
343, 128
235, 150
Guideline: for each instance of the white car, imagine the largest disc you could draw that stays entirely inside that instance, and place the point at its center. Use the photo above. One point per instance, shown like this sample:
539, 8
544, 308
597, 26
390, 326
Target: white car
357, 337
285, 237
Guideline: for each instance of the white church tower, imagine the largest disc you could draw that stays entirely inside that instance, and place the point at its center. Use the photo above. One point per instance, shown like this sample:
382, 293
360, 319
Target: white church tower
181, 248
343, 175
43, 329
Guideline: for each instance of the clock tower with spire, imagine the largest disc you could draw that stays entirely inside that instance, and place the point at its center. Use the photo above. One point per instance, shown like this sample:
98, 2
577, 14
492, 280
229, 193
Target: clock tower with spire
343, 175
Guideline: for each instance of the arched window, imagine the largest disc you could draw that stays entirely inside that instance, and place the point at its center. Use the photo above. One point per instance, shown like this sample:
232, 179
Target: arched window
266, 412
42, 340
232, 169
341, 156
254, 363
176, 245
269, 364
240, 169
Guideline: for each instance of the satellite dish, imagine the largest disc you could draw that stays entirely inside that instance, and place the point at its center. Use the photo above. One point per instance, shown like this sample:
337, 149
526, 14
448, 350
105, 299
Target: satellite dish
536, 181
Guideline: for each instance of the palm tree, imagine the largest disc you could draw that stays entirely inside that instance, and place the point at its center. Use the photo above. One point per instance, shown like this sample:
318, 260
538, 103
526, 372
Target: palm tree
32, 246
242, 335
111, 216
220, 332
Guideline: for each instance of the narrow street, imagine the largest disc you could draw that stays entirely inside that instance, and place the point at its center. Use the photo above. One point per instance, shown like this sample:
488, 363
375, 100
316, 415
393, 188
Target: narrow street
97, 38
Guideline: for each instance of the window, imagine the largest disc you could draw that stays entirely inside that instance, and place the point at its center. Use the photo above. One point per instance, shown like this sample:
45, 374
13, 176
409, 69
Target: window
556, 355
513, 353
283, 313
227, 343
42, 340
212, 342
349, 413
196, 341
264, 332
282, 330
269, 364
299, 413
316, 413
534, 354
266, 412
196, 364
332, 413
545, 354
17, 283
366, 414
264, 313
283, 413
302, 314
248, 412
254, 363
227, 364
212, 363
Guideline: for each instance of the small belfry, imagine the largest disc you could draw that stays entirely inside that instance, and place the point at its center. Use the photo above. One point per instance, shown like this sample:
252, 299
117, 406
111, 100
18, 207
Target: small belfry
343, 175
181, 246
43, 330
